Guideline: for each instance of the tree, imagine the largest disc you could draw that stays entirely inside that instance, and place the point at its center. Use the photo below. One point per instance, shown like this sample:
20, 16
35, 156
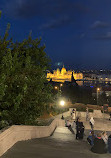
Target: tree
24, 90
102, 99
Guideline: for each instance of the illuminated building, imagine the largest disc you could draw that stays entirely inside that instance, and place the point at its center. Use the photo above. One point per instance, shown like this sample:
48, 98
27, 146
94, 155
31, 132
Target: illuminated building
63, 75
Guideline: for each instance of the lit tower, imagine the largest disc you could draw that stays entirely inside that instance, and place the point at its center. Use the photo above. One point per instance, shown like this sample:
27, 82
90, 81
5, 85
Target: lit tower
58, 72
63, 71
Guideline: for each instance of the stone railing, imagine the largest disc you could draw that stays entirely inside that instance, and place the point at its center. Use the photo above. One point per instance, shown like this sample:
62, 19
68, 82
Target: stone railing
95, 114
19, 133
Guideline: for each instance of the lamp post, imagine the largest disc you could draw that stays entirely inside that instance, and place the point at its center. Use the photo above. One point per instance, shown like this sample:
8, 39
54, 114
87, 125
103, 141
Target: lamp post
62, 103
61, 86
98, 89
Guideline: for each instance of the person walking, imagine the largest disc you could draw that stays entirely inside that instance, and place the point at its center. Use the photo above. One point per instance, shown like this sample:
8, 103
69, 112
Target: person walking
91, 122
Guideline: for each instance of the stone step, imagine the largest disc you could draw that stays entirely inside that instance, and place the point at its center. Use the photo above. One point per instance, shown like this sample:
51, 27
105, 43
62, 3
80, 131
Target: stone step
63, 134
61, 144
64, 130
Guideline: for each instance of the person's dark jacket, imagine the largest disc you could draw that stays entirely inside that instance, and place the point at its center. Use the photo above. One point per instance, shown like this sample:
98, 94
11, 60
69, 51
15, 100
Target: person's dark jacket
99, 146
80, 126
80, 130
109, 144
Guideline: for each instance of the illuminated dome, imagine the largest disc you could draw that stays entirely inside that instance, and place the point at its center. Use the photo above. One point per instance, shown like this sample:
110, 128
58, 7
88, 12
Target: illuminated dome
63, 71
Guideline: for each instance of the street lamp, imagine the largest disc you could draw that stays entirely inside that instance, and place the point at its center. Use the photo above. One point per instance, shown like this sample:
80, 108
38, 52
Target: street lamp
62, 103
61, 86
56, 87
98, 89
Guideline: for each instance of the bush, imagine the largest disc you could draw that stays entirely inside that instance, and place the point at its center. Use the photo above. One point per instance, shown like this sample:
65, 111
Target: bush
57, 110
3, 124
81, 109
90, 110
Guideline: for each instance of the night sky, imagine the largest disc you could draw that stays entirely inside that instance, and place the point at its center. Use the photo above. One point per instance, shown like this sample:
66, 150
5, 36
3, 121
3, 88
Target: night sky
75, 32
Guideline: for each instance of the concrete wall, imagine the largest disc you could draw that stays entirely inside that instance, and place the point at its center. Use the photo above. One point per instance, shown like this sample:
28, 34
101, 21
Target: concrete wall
19, 133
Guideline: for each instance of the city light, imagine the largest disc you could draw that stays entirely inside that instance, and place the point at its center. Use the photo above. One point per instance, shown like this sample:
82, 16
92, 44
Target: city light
98, 89
56, 87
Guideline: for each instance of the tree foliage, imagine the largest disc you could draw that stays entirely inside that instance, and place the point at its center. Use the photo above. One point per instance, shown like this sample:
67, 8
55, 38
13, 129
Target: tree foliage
24, 90
102, 99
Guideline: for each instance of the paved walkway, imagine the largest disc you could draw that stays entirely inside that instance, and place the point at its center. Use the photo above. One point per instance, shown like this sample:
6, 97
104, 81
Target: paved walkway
100, 124
61, 144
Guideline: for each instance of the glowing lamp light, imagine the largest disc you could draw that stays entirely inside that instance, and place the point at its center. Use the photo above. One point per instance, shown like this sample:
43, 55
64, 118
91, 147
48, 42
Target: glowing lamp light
98, 89
62, 103
56, 87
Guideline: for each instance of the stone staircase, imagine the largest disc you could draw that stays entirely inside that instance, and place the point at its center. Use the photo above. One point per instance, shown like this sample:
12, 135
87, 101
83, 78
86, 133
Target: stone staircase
61, 144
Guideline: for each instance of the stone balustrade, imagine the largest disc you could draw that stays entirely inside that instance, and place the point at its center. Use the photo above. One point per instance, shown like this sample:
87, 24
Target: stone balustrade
95, 114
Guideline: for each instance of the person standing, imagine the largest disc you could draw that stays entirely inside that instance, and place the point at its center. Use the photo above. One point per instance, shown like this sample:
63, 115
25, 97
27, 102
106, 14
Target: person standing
79, 129
74, 126
91, 122
73, 114
87, 114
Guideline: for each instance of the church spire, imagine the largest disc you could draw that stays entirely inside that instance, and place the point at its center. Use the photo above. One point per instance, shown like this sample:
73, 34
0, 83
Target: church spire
72, 79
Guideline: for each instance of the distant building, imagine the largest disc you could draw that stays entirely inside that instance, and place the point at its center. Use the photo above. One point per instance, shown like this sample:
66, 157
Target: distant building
63, 75
107, 90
